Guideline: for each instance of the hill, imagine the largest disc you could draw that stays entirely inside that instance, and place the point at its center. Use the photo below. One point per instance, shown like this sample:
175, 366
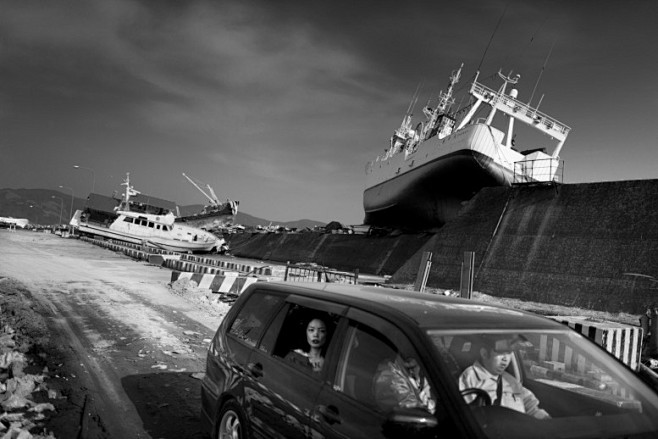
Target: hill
45, 206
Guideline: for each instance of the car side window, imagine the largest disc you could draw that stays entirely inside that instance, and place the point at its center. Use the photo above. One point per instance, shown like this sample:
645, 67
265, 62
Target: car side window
253, 317
304, 337
380, 374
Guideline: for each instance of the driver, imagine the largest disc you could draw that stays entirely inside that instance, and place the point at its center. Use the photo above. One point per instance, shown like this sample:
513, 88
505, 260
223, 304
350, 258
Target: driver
488, 373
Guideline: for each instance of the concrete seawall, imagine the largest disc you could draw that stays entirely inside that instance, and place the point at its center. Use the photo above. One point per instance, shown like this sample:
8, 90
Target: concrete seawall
374, 255
592, 245
589, 245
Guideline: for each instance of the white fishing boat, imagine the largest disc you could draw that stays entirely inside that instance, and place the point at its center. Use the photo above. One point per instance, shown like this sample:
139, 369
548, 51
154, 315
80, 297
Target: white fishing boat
160, 231
430, 169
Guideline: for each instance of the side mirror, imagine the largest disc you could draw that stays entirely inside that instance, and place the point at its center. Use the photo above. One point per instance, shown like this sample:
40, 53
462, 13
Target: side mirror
414, 422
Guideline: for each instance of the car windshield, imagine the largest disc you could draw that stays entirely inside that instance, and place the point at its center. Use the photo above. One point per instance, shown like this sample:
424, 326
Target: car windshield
546, 384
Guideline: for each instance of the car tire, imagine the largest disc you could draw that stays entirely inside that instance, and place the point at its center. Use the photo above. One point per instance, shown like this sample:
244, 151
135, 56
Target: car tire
231, 423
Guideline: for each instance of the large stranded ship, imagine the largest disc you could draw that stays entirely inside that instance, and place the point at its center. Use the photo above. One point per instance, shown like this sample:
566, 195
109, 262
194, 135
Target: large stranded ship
429, 170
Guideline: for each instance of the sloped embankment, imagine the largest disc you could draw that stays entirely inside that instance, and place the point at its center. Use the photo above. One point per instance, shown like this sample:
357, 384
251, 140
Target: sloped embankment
592, 246
368, 254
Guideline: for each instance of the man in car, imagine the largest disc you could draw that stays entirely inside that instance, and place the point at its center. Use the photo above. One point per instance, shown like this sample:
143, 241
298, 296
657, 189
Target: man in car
488, 373
399, 383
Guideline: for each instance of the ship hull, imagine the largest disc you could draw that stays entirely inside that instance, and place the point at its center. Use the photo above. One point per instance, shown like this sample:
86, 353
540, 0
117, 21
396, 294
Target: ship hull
431, 194
183, 239
208, 221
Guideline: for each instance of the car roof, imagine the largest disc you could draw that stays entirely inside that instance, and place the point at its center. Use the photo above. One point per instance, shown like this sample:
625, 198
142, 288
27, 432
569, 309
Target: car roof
429, 311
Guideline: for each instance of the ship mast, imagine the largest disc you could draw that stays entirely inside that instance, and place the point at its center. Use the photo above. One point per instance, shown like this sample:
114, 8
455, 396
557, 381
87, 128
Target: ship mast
445, 101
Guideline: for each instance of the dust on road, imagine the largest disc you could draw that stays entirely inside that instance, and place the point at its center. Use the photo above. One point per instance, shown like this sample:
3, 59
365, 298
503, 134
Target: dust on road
124, 349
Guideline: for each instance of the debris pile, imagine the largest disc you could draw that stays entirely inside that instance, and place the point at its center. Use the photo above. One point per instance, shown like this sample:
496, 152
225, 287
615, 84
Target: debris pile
20, 392
190, 290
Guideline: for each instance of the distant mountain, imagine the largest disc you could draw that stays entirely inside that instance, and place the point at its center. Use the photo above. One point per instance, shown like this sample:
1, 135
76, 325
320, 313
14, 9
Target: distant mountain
39, 206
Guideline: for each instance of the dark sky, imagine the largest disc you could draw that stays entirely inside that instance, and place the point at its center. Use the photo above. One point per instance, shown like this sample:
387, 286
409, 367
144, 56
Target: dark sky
280, 104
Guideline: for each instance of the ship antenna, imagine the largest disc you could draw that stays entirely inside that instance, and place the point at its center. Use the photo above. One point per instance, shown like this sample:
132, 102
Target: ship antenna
541, 72
414, 98
492, 36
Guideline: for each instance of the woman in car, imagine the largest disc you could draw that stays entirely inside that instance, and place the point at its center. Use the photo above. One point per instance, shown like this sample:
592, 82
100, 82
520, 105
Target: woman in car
316, 337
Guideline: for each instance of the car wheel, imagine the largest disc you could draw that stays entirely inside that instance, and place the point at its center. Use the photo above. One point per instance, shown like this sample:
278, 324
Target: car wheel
231, 422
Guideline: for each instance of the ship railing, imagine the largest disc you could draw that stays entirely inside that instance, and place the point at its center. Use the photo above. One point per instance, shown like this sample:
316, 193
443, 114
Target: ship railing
316, 273
545, 170
520, 110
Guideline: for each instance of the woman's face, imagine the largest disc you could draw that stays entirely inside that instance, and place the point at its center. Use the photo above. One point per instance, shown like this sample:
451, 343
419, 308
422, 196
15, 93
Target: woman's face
316, 333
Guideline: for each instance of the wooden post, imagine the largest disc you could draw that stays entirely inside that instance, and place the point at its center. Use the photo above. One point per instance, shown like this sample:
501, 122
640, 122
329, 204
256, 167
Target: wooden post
466, 284
423, 272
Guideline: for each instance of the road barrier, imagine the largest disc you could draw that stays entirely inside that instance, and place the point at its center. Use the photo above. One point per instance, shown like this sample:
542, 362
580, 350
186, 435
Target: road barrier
194, 260
622, 341
306, 273
230, 285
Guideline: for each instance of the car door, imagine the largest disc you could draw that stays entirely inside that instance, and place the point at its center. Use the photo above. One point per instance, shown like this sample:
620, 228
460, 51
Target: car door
352, 404
232, 346
280, 393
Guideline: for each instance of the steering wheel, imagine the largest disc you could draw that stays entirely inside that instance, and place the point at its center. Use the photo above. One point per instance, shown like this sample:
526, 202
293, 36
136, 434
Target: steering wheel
482, 398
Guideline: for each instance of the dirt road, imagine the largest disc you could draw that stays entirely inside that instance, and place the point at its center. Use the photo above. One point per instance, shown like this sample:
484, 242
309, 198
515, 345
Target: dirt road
127, 349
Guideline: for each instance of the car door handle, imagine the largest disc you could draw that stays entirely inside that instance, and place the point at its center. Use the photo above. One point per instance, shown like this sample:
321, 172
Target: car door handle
329, 413
255, 369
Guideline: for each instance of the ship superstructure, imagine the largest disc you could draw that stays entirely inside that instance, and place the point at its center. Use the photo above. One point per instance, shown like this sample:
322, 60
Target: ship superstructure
430, 169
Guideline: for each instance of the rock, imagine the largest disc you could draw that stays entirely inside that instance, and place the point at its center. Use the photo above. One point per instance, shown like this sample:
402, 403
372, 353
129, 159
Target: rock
41, 407
23, 386
15, 402
8, 358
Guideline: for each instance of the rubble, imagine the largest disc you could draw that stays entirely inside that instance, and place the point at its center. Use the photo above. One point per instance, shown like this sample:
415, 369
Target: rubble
21, 412
189, 289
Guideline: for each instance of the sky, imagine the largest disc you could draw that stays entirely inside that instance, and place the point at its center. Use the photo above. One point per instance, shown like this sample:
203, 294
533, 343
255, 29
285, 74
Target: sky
280, 104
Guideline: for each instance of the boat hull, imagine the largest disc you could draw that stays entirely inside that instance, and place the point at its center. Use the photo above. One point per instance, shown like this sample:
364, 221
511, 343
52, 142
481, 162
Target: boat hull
431, 194
201, 242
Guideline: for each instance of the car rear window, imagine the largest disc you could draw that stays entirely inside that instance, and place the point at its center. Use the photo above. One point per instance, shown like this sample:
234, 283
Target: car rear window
252, 319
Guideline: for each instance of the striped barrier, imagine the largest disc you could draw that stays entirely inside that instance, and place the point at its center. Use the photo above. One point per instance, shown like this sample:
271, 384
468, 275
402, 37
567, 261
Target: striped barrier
192, 267
622, 341
200, 264
223, 284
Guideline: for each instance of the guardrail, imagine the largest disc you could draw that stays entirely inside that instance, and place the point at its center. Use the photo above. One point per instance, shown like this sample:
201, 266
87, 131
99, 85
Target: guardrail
306, 273
547, 170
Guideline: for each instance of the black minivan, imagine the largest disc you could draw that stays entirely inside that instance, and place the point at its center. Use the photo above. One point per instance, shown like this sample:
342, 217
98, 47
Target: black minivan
294, 360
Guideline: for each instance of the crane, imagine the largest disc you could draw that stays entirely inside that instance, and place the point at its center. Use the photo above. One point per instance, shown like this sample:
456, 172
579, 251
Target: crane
212, 197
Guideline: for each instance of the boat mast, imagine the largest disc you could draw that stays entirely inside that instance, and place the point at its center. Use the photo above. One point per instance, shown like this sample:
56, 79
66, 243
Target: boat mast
128, 193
